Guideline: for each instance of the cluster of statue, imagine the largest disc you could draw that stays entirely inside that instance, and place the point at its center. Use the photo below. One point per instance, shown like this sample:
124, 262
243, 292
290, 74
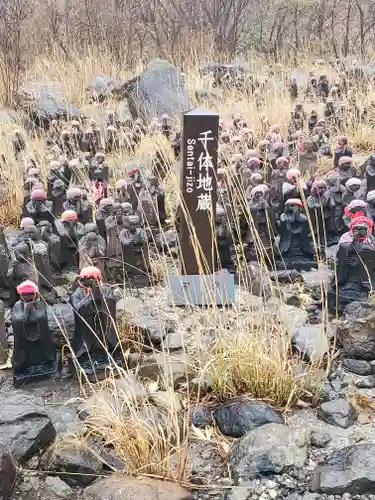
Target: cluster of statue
275, 207
88, 323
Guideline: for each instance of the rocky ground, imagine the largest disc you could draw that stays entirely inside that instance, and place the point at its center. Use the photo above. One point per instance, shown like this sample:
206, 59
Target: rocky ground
240, 449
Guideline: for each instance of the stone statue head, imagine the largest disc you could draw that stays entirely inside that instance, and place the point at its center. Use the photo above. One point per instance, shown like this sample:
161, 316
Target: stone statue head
361, 228
353, 184
38, 198
293, 206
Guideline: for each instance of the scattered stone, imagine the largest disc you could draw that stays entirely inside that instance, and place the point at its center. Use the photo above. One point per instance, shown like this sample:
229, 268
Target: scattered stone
311, 341
349, 470
158, 90
150, 329
54, 486
174, 342
201, 416
359, 366
8, 474
356, 333
65, 419
74, 458
102, 87
129, 488
171, 370
166, 240
320, 439
316, 279
237, 416
242, 492
25, 427
201, 384
167, 400
366, 382
269, 449
338, 412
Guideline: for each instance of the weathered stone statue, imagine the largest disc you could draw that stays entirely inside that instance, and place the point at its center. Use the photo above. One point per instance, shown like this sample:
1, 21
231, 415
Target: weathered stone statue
38, 208
4, 266
28, 185
114, 224
92, 249
224, 239
34, 355
355, 265
58, 194
134, 187
293, 186
70, 232
54, 174
95, 344
76, 201
341, 149
307, 160
157, 191
336, 190
295, 247
99, 168
371, 205
121, 194
321, 206
346, 169
277, 179
356, 208
369, 173
105, 210
352, 191
260, 237
53, 242
135, 251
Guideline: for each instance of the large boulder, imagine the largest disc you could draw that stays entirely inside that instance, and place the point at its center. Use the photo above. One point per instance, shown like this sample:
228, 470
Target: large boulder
349, 470
131, 488
269, 449
103, 86
25, 427
44, 102
158, 90
356, 333
235, 417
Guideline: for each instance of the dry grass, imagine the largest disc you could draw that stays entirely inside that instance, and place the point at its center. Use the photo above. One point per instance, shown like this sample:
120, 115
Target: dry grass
250, 352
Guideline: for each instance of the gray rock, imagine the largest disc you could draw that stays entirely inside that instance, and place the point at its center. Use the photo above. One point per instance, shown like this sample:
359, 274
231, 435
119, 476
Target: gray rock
164, 240
356, 333
131, 488
157, 91
201, 415
269, 449
320, 439
170, 370
359, 366
349, 470
55, 487
61, 323
25, 427
237, 416
312, 341
44, 102
238, 493
174, 342
65, 419
73, 458
150, 329
338, 412
103, 86
316, 278
8, 474
366, 382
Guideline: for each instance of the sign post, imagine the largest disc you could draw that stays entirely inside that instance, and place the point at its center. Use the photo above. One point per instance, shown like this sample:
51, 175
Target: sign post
199, 284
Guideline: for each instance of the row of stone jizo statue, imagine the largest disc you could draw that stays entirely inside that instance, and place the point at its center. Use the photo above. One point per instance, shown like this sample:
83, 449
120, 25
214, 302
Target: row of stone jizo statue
84, 327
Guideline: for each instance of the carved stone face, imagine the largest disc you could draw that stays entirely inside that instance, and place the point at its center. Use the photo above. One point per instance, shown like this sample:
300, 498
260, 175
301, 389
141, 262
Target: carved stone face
354, 188
360, 231
291, 209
